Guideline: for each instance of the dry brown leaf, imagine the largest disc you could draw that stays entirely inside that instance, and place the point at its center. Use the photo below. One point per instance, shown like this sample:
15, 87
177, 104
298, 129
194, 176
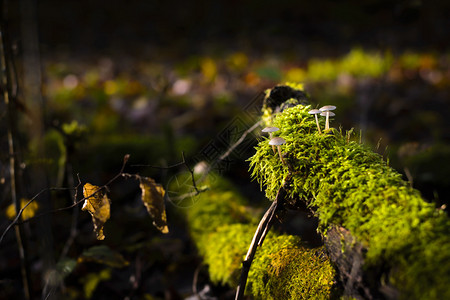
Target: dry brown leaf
153, 198
98, 205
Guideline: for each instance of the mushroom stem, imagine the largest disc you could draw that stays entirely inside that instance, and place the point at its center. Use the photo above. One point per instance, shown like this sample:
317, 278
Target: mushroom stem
317, 122
271, 130
326, 111
277, 141
273, 147
279, 152
315, 112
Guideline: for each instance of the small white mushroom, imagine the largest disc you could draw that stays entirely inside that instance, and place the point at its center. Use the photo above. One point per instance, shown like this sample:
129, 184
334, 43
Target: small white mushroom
326, 111
327, 114
315, 112
278, 141
270, 130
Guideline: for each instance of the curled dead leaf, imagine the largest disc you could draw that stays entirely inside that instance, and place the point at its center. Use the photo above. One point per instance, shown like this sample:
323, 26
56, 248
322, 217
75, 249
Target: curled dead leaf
98, 205
153, 198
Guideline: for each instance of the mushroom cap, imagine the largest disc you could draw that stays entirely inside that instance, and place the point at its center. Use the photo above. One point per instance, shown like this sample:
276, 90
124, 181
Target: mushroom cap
327, 108
330, 114
314, 111
270, 129
276, 141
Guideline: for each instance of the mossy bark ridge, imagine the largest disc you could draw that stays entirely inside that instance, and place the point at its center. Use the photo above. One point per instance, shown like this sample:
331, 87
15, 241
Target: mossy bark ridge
385, 239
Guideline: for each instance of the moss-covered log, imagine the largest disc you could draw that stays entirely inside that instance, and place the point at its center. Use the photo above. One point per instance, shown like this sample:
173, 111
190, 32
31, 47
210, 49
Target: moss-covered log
386, 241
222, 225
382, 238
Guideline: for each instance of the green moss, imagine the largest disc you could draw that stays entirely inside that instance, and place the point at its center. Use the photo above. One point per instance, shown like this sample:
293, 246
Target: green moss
224, 250
283, 269
219, 205
348, 185
222, 227
216, 209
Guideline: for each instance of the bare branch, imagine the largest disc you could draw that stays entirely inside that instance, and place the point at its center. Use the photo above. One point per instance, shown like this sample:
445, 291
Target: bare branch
258, 238
16, 222
183, 162
241, 139
6, 86
231, 149
105, 186
196, 191
73, 225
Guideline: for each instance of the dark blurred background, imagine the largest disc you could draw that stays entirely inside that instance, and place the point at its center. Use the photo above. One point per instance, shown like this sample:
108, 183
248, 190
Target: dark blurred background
317, 28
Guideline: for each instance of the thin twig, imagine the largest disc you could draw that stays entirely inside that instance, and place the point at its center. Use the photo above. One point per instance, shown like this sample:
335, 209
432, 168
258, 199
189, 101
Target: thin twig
267, 228
161, 168
105, 186
182, 163
241, 139
252, 250
75, 213
16, 222
190, 194
211, 166
194, 184
178, 198
195, 280
230, 150
258, 238
11, 127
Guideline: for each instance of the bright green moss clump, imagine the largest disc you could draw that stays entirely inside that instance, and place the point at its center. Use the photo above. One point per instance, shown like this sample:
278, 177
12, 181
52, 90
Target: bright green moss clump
284, 270
348, 185
222, 228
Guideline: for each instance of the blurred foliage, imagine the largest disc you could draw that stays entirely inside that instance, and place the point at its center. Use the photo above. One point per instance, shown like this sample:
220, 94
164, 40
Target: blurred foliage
92, 280
27, 213
108, 98
104, 255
